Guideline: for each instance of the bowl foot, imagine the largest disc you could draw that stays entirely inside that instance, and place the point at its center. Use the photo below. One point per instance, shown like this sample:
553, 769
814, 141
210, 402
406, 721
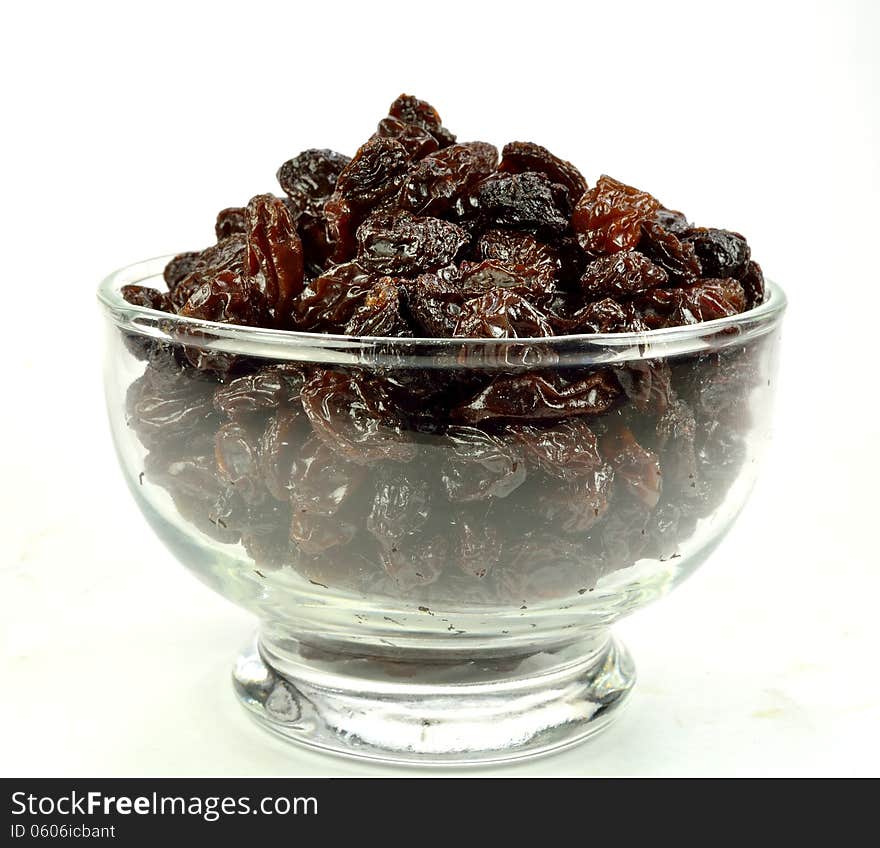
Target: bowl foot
434, 712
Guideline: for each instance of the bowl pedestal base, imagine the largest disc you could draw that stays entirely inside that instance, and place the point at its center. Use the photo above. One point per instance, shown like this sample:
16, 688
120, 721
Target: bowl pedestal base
434, 712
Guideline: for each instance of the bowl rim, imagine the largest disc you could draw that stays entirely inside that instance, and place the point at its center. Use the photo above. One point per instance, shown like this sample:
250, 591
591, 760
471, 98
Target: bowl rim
236, 338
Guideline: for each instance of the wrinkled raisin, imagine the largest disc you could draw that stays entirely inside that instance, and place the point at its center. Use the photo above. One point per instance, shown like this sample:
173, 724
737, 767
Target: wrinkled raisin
609, 216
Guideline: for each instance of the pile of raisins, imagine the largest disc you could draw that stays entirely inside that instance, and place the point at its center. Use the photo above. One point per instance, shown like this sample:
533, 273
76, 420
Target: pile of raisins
496, 486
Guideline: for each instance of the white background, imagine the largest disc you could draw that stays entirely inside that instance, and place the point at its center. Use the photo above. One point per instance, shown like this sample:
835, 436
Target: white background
127, 126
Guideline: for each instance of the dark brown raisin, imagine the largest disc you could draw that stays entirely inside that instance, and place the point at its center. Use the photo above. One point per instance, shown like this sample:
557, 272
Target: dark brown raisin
480, 465
376, 171
145, 296
752, 282
621, 274
310, 178
380, 313
609, 216
537, 396
526, 201
721, 253
501, 314
404, 245
328, 302
356, 417
439, 183
520, 156
675, 256
411, 110
230, 222
433, 305
274, 250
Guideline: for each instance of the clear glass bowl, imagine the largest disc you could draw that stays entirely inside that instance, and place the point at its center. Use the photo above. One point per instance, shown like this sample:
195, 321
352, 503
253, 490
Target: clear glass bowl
436, 535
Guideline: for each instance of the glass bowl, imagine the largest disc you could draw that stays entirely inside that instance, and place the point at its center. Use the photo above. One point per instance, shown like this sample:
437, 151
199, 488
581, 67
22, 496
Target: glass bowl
436, 535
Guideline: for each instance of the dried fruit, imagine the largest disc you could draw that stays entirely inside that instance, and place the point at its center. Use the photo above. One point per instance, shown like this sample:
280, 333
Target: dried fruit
721, 253
380, 313
230, 222
406, 245
674, 255
440, 182
536, 396
635, 466
376, 171
621, 274
411, 110
523, 201
520, 156
512, 474
147, 297
480, 466
310, 178
609, 216
355, 416
274, 250
501, 314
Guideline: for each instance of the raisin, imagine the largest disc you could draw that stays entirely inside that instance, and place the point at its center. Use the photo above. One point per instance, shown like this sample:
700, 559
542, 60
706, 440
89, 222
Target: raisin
314, 533
320, 480
501, 314
609, 216
277, 451
602, 316
228, 298
356, 416
411, 110
721, 253
544, 566
480, 465
230, 222
145, 296
752, 282
376, 171
327, 303
704, 300
175, 408
636, 467
341, 225
433, 305
519, 251
400, 507
180, 268
416, 140
621, 274
537, 396
671, 220
478, 547
520, 156
647, 383
228, 255
674, 255
404, 244
579, 503
310, 178
440, 182
623, 532
259, 392
380, 313
676, 435
526, 201
235, 452
417, 563
490, 274
566, 450
274, 250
